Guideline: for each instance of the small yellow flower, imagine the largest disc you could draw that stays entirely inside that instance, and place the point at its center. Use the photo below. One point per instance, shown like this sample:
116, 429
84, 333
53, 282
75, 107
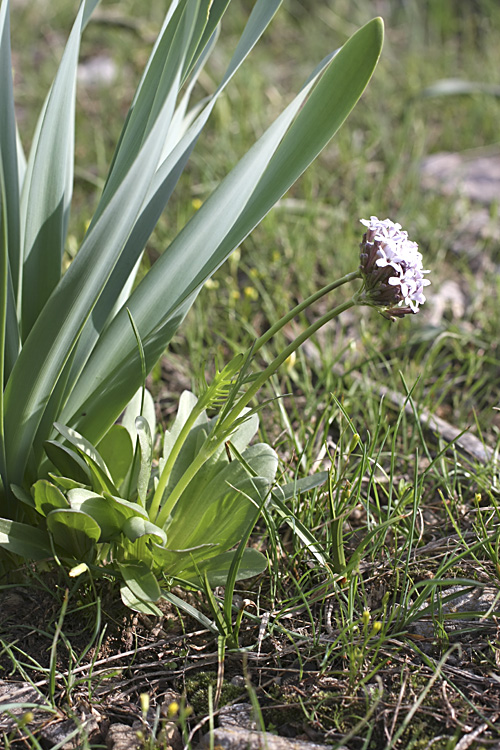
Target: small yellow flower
172, 710
251, 293
196, 203
235, 295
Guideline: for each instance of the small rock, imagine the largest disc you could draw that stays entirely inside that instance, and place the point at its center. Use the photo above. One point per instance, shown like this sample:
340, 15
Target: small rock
233, 738
122, 737
171, 737
474, 177
56, 733
18, 696
238, 715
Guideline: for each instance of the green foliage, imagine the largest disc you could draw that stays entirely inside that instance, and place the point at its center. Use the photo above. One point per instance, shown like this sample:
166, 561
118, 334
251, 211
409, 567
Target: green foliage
75, 346
68, 351
99, 523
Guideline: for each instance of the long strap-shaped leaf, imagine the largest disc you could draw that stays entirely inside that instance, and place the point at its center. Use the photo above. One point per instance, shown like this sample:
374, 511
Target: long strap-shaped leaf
46, 197
56, 331
10, 200
160, 191
234, 209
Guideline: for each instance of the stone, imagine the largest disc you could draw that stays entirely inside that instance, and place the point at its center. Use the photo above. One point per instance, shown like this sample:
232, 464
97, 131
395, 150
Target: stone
171, 737
21, 698
122, 737
476, 177
234, 738
238, 715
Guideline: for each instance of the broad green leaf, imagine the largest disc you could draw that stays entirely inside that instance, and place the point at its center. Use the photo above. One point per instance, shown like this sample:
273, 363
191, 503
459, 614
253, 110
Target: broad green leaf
140, 581
24, 540
134, 602
217, 568
224, 220
67, 462
47, 497
74, 532
136, 527
117, 452
110, 515
66, 483
293, 489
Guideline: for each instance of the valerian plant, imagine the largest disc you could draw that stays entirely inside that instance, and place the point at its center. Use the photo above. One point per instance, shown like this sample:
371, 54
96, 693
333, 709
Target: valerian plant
75, 346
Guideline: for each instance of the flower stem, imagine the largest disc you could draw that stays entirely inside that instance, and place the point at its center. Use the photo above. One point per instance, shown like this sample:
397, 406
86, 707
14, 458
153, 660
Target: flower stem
223, 428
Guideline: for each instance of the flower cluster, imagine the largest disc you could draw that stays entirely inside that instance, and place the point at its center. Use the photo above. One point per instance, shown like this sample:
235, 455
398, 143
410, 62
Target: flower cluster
391, 267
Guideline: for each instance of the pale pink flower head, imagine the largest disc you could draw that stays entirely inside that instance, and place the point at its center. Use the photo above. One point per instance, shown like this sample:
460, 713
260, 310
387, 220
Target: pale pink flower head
391, 267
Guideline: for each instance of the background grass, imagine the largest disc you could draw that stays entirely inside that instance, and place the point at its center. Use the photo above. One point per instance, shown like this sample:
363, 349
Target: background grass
424, 510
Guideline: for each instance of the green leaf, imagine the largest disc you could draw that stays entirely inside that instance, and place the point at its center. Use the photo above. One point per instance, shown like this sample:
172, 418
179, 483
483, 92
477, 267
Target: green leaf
133, 411
293, 489
136, 527
24, 540
47, 497
101, 478
224, 220
9, 200
47, 190
146, 444
109, 515
134, 602
74, 532
217, 568
116, 450
67, 462
48, 348
141, 581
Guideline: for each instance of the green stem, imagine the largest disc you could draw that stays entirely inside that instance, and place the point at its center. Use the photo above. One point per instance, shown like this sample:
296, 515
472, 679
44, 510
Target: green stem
213, 442
278, 361
302, 306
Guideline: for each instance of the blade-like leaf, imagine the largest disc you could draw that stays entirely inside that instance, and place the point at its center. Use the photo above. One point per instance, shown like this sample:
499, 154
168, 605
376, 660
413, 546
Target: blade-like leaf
140, 581
217, 568
56, 331
163, 184
48, 186
224, 220
8, 146
146, 444
24, 540
117, 452
68, 462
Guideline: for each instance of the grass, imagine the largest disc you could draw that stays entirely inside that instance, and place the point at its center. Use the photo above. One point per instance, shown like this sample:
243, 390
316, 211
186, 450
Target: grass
386, 653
